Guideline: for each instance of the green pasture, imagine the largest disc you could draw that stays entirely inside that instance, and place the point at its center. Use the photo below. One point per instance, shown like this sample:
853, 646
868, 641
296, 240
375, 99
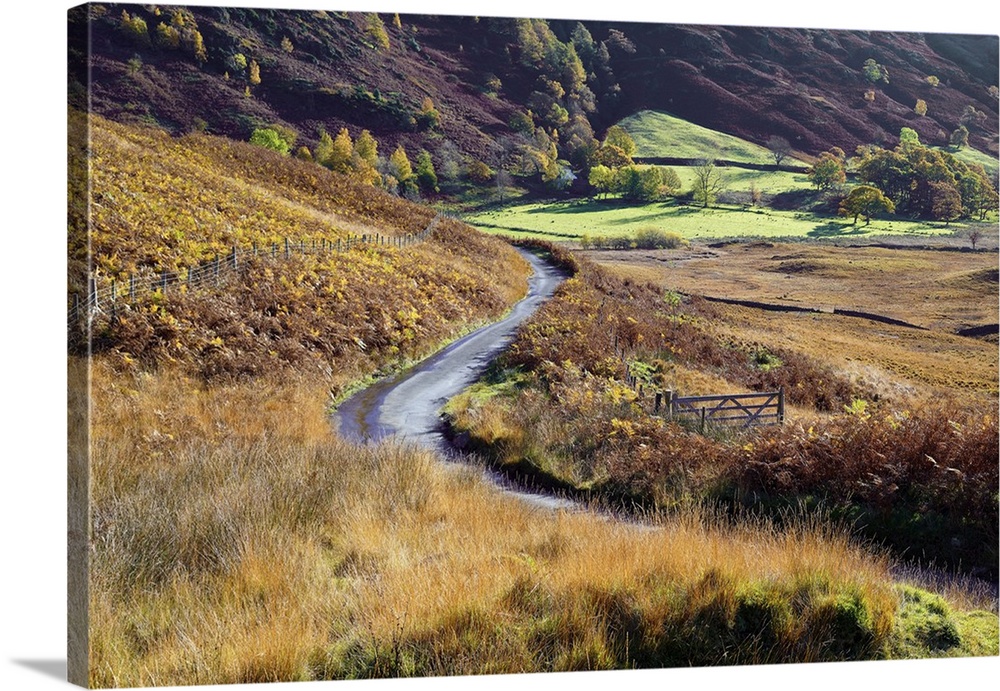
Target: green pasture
660, 134
569, 221
742, 179
969, 155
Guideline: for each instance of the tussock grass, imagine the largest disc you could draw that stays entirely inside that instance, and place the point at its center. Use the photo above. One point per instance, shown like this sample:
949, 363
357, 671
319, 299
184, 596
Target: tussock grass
235, 539
918, 475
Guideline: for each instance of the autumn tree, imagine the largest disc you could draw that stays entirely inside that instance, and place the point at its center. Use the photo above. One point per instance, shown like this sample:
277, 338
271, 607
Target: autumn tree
867, 201
429, 116
254, 69
399, 166
339, 157
619, 137
828, 171
921, 107
375, 28
946, 202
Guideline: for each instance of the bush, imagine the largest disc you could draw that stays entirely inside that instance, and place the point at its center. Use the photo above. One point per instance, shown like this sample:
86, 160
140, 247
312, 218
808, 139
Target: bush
654, 238
269, 139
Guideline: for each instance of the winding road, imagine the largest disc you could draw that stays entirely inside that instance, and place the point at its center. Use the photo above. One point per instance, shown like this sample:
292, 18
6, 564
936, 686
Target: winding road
407, 406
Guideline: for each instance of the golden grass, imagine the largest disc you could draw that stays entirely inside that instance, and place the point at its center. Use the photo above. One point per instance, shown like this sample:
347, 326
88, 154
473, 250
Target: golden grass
940, 290
236, 539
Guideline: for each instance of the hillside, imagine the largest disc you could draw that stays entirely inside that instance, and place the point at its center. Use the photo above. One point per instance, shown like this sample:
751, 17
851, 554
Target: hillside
330, 70
171, 204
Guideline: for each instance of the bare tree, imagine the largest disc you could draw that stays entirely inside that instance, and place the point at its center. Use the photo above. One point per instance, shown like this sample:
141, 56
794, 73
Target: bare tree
708, 182
779, 147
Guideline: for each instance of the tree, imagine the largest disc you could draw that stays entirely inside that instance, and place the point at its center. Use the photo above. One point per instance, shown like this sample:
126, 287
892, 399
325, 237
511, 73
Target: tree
874, 72
168, 36
602, 179
429, 116
198, 49
779, 148
921, 107
341, 153
269, 139
617, 136
254, 72
375, 28
366, 148
286, 45
960, 137
946, 202
479, 172
827, 172
671, 181
974, 235
908, 137
932, 80
399, 166
708, 182
640, 184
426, 178
972, 117
867, 201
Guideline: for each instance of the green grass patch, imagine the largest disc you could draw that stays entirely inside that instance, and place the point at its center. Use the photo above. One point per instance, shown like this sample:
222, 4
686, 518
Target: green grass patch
927, 626
660, 134
571, 220
969, 155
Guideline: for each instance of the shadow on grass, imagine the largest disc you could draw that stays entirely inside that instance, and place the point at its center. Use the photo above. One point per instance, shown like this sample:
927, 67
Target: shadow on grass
832, 229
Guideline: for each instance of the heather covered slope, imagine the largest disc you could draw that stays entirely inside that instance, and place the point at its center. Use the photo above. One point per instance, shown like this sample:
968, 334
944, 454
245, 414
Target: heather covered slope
162, 203
331, 70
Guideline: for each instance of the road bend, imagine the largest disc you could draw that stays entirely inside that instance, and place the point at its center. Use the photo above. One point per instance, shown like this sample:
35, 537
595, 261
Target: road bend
407, 406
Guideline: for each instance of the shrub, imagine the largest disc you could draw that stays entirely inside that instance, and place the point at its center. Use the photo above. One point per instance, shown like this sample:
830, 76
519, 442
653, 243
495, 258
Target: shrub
269, 139
654, 238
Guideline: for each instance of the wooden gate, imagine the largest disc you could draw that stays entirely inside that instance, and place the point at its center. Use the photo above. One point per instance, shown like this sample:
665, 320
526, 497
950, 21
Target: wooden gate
743, 409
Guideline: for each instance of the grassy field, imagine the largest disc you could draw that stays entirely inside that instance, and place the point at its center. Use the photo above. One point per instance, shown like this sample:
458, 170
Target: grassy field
572, 220
659, 134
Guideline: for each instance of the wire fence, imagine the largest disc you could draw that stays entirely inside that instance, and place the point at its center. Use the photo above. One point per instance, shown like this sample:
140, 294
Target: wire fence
105, 295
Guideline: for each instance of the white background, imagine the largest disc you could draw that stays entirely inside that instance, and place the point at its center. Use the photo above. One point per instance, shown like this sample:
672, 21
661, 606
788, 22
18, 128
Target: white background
32, 146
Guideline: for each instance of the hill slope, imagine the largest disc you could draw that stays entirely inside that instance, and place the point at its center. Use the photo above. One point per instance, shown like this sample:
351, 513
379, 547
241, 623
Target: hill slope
160, 203
324, 69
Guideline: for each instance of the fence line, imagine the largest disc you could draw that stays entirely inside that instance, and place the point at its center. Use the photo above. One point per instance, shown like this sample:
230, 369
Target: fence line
120, 292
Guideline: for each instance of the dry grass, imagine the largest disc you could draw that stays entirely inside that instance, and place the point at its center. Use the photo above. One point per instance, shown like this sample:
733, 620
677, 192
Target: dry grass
235, 539
941, 290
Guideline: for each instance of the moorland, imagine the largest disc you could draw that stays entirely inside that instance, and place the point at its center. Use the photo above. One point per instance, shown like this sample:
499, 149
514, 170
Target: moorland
235, 538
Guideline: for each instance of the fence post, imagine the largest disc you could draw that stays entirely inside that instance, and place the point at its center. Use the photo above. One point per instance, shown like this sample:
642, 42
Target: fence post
286, 248
163, 282
669, 402
236, 261
658, 402
702, 428
215, 268
781, 405
92, 292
